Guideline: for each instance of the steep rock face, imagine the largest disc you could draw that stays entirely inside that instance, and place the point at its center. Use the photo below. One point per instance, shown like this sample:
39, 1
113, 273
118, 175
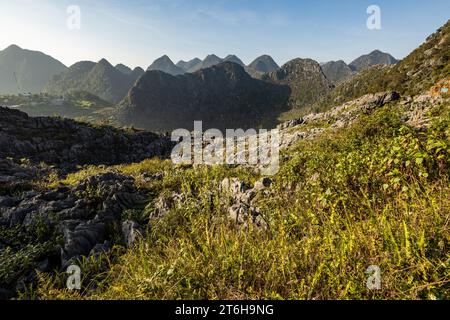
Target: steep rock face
166, 65
101, 79
337, 71
223, 96
305, 78
372, 59
23, 71
67, 143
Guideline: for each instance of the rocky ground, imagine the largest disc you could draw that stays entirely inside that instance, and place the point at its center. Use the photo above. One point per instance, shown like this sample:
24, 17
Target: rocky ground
77, 221
67, 143
88, 218
414, 113
47, 229
239, 197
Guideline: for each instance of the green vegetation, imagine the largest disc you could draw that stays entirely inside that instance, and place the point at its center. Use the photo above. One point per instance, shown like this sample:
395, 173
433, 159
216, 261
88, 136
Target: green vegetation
82, 106
100, 79
419, 71
25, 247
375, 193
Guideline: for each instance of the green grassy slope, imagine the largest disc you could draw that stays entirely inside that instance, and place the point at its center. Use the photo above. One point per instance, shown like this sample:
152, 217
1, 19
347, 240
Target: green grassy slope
374, 193
419, 71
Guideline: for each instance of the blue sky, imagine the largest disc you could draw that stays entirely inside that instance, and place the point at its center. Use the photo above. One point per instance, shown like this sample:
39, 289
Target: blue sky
135, 32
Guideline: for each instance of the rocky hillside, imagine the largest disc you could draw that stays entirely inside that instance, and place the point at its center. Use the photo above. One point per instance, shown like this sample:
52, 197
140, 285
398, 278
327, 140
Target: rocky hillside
337, 71
380, 146
306, 80
223, 96
166, 65
101, 79
47, 229
420, 70
24, 71
372, 59
67, 143
363, 183
43, 231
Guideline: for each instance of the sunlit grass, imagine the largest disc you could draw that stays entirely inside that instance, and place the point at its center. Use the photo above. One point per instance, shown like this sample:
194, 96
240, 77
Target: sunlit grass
376, 193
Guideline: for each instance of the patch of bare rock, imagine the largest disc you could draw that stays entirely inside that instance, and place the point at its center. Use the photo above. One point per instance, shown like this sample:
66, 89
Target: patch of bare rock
87, 217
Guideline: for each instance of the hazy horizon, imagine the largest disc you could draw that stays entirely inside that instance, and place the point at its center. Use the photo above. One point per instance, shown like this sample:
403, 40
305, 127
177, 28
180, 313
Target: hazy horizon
138, 32
174, 61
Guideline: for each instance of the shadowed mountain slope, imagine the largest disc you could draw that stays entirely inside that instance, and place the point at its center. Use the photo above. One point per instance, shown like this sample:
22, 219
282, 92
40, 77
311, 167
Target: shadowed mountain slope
223, 96
305, 78
101, 79
337, 71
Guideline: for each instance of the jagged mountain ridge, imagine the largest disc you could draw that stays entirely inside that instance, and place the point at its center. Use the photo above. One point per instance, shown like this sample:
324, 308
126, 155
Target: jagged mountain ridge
222, 96
338, 71
209, 61
163, 103
256, 69
305, 78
